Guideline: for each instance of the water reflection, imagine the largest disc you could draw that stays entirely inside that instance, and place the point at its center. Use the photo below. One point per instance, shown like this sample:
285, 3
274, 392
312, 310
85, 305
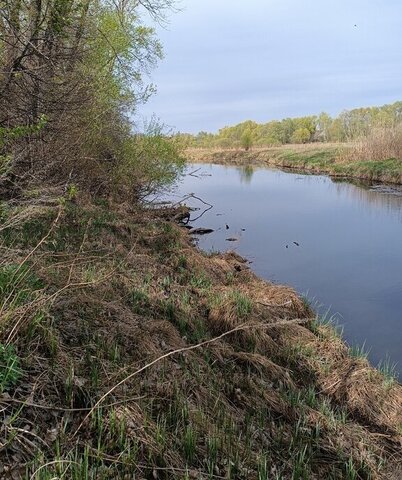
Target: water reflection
378, 196
348, 254
246, 173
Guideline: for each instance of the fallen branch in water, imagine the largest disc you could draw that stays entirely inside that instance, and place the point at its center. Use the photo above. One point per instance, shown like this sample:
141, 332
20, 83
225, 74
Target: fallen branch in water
200, 231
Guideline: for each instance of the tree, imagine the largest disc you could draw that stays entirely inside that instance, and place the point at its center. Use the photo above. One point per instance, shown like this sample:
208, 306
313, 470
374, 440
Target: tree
80, 64
246, 139
301, 135
349, 125
324, 125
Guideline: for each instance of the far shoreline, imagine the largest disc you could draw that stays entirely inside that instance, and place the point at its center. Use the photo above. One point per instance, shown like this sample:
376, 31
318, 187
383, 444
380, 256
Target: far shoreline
308, 158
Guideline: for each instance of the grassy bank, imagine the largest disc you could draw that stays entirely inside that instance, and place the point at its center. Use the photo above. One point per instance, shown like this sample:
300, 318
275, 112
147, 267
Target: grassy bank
127, 353
331, 159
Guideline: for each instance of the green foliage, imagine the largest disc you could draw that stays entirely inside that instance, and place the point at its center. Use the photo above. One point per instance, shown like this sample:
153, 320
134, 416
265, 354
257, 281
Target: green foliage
139, 301
5, 163
4, 210
150, 161
90, 62
72, 192
10, 370
246, 139
301, 135
13, 133
349, 125
10, 134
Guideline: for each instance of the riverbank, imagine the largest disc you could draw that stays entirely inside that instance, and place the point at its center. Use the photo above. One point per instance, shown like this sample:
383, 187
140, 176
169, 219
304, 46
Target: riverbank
314, 158
128, 353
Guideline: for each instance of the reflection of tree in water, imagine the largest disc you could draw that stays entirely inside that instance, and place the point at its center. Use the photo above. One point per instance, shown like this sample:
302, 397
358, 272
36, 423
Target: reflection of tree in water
379, 196
246, 173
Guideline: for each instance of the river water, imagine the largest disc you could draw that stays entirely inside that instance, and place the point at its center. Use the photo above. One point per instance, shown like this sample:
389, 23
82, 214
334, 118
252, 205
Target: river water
337, 243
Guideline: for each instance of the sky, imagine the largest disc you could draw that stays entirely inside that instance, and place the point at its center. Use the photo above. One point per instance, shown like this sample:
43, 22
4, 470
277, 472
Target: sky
227, 61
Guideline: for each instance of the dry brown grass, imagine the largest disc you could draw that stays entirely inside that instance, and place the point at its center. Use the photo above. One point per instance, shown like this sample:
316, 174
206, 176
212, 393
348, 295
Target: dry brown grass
377, 157
379, 144
138, 350
258, 154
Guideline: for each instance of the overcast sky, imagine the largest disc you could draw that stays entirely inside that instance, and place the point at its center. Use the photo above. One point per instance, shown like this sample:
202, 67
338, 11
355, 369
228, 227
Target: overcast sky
227, 61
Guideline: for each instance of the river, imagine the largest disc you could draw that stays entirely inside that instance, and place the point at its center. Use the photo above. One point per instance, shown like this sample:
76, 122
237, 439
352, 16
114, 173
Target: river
337, 243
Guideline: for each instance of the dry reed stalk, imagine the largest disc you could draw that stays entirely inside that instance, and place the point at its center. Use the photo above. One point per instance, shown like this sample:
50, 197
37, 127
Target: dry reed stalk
379, 144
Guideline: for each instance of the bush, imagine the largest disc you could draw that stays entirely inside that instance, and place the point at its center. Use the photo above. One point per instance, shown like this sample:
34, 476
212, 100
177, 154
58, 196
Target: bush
149, 162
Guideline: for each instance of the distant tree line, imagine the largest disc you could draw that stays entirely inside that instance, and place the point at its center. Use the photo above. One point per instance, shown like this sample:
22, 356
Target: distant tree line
349, 125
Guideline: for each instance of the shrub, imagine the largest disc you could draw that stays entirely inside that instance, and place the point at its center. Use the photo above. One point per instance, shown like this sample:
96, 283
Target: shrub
149, 161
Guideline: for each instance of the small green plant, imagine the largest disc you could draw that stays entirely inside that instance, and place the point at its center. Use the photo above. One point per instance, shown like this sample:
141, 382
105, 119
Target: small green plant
328, 320
388, 370
263, 468
139, 301
169, 308
200, 281
212, 447
69, 386
182, 262
230, 278
161, 435
90, 274
300, 470
350, 470
189, 443
10, 370
115, 352
335, 415
5, 164
167, 282
4, 210
199, 330
311, 397
359, 351
72, 192
243, 304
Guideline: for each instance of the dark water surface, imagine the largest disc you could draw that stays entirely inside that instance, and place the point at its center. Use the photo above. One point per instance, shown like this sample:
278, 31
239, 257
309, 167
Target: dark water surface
349, 256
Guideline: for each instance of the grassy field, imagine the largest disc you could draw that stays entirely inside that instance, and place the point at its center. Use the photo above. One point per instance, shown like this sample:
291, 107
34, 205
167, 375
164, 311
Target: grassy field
127, 353
331, 159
